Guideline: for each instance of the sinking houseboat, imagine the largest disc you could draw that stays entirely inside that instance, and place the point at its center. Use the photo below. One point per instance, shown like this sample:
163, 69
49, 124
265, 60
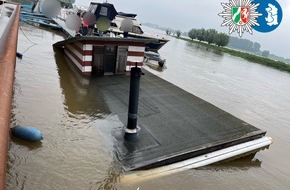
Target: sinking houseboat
179, 130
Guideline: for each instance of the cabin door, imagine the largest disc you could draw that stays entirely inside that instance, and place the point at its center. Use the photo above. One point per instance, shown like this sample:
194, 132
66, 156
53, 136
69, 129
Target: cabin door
121, 59
98, 61
110, 60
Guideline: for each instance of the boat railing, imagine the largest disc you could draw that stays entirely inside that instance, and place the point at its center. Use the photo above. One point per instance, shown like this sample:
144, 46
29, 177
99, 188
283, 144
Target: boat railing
64, 13
9, 23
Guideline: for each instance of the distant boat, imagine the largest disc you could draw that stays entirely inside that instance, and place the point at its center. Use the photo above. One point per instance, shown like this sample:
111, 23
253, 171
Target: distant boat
153, 57
136, 32
39, 19
33, 14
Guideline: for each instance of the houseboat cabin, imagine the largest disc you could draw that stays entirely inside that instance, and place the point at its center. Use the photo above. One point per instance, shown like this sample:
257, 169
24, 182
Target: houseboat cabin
100, 56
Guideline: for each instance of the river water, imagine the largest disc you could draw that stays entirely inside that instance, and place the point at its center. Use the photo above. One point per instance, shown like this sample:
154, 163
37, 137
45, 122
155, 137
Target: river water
77, 150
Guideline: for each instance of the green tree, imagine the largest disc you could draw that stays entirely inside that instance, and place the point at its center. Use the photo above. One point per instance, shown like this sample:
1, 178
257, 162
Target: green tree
221, 39
210, 35
168, 32
201, 34
244, 44
256, 47
192, 34
265, 53
178, 33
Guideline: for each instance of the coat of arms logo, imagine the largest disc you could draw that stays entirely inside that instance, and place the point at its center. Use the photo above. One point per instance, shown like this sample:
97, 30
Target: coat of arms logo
240, 16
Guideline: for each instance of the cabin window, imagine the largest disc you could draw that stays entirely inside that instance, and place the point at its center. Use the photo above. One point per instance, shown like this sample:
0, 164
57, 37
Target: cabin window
137, 30
93, 8
66, 5
104, 11
110, 49
114, 24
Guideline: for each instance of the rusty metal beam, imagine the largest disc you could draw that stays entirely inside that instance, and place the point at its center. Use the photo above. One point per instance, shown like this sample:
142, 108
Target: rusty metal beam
8, 46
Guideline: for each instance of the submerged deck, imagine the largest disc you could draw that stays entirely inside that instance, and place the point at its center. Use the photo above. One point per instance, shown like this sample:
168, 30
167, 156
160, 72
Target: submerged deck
175, 125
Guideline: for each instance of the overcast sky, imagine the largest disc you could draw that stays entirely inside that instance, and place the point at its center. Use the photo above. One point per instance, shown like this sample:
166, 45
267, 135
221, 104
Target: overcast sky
186, 14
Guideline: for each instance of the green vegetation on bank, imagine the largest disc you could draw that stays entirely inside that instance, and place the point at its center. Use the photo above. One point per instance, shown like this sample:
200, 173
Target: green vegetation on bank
250, 57
210, 36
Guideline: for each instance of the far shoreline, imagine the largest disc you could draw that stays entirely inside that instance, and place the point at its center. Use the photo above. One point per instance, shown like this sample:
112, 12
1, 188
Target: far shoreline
282, 66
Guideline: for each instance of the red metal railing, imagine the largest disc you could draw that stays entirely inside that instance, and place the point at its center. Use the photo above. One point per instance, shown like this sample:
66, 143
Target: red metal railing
8, 46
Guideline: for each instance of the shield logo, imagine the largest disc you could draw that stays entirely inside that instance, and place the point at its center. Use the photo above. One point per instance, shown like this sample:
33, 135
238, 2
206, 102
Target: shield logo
240, 15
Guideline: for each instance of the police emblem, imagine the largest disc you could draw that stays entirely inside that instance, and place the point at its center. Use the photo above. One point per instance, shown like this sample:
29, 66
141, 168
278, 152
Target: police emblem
240, 16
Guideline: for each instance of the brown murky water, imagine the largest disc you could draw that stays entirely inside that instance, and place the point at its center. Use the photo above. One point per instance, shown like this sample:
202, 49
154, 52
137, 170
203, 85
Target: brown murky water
77, 150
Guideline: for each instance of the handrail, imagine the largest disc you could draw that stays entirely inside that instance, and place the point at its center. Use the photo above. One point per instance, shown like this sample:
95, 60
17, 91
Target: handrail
8, 46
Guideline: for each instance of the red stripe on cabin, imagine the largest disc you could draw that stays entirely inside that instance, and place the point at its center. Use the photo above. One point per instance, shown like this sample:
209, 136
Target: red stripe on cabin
88, 52
87, 73
83, 52
138, 54
139, 64
75, 56
76, 47
72, 64
87, 63
81, 62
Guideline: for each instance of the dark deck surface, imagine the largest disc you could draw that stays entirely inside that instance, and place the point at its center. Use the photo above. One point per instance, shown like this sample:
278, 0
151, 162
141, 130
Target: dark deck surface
175, 125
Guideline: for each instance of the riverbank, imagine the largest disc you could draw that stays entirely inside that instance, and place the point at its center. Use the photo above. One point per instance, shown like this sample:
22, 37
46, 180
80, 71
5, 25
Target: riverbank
247, 56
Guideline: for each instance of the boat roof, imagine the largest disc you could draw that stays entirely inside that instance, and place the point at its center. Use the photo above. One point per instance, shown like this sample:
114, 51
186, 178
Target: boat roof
107, 10
85, 39
103, 10
127, 14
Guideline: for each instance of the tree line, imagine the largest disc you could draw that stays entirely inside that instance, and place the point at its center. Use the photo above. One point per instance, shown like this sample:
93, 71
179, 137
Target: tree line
210, 36
249, 46
244, 44
221, 39
178, 33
